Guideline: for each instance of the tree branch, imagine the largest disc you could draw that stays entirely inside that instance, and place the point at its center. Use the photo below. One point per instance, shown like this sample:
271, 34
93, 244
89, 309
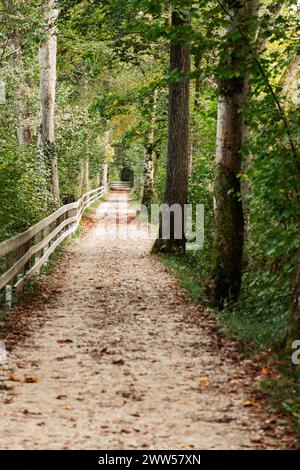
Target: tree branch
266, 80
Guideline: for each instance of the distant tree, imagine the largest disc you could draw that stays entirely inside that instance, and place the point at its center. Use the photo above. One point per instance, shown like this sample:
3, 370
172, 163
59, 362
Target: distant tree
149, 157
48, 55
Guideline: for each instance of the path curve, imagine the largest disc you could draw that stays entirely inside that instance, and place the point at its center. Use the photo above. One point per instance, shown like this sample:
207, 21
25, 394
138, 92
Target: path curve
119, 363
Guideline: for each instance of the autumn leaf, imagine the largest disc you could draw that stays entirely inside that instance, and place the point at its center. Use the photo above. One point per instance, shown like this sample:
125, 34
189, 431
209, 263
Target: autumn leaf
125, 431
14, 378
61, 397
249, 403
31, 379
203, 382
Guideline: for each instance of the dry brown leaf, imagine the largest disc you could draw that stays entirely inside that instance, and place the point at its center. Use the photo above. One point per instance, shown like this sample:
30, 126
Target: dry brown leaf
31, 379
125, 431
249, 403
61, 397
14, 378
137, 415
203, 382
118, 362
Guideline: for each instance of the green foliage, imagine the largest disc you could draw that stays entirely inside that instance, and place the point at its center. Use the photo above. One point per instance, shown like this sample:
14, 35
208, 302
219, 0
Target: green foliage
23, 199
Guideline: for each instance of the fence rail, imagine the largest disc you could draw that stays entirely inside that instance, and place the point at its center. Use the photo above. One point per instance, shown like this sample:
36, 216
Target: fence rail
120, 185
23, 256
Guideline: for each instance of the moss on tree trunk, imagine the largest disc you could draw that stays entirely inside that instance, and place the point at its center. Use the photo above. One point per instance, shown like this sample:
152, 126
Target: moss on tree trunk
226, 275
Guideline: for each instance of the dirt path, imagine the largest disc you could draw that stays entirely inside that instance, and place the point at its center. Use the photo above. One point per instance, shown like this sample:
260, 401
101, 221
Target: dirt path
119, 363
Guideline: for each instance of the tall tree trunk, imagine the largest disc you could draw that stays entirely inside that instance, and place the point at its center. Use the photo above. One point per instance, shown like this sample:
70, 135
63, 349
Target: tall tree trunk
290, 92
149, 159
25, 129
229, 217
86, 175
178, 137
104, 174
48, 53
79, 190
198, 85
108, 156
294, 323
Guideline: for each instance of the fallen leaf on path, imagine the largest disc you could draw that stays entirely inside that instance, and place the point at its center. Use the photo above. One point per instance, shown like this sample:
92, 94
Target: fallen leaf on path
31, 379
249, 403
118, 362
33, 413
14, 378
61, 397
125, 431
6, 387
203, 382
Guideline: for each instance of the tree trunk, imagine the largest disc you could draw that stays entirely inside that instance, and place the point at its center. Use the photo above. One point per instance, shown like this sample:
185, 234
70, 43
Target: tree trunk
48, 52
149, 160
148, 189
229, 217
79, 191
104, 174
178, 138
193, 137
294, 323
198, 83
86, 175
25, 130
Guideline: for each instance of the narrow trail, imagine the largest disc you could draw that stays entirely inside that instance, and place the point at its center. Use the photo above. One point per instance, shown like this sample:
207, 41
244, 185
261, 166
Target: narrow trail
119, 363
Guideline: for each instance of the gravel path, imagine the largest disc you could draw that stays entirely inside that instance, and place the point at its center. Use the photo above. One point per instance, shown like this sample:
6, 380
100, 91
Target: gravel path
119, 363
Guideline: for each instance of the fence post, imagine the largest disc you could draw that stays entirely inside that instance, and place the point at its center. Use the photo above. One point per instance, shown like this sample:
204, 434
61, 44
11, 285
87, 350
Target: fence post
37, 239
9, 288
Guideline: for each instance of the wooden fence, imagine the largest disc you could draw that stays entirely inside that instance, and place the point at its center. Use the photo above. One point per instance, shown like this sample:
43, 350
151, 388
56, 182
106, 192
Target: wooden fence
23, 256
120, 185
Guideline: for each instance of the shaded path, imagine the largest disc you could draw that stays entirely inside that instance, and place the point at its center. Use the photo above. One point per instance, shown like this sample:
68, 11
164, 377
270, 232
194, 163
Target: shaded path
119, 363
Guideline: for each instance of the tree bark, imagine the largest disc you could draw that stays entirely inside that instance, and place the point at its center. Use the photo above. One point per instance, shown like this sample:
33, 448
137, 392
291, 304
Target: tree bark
86, 175
294, 323
25, 129
149, 159
176, 191
48, 53
229, 217
198, 83
193, 137
104, 174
